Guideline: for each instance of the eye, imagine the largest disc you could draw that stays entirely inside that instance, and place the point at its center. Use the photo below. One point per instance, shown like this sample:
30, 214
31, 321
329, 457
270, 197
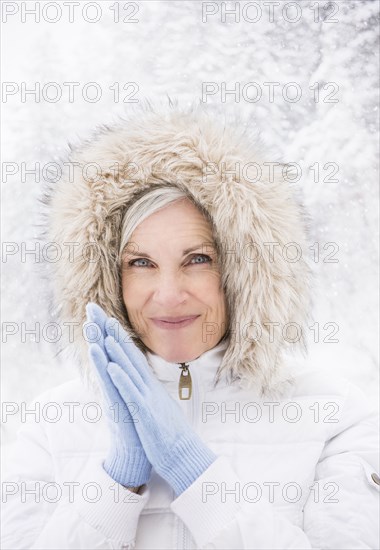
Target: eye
133, 262
203, 256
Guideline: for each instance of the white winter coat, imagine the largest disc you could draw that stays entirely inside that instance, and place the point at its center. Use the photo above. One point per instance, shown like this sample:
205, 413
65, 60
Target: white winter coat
300, 472
297, 462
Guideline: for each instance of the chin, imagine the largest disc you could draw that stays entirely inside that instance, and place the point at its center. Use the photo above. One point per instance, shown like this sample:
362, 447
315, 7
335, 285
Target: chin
178, 356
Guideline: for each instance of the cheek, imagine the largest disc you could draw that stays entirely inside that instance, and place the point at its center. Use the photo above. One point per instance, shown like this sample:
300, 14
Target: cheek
133, 298
132, 289
210, 291
205, 286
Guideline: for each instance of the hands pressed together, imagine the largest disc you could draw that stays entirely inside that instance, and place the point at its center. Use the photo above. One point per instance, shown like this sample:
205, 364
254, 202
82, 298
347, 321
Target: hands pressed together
148, 428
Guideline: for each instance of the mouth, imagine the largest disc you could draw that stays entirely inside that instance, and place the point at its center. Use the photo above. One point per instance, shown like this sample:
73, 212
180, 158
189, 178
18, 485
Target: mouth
173, 323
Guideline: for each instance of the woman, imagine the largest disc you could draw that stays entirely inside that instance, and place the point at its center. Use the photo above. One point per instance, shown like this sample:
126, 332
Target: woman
187, 427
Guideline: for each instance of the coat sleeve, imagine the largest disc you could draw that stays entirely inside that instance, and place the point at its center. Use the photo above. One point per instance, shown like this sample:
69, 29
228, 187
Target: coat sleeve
349, 462
38, 512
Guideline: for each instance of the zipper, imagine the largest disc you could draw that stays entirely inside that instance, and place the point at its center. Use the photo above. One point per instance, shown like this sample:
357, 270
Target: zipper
184, 539
185, 383
185, 392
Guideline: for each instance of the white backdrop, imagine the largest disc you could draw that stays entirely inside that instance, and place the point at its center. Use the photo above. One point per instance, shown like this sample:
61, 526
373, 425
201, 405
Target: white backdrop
320, 60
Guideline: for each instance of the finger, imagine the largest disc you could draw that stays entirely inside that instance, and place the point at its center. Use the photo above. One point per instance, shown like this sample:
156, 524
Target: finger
117, 355
100, 361
98, 357
136, 356
113, 328
96, 315
128, 391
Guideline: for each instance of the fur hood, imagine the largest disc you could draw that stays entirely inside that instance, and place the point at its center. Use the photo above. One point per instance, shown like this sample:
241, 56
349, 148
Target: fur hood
218, 162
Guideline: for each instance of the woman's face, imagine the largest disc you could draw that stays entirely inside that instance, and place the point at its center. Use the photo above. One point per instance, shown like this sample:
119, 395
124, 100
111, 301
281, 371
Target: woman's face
162, 279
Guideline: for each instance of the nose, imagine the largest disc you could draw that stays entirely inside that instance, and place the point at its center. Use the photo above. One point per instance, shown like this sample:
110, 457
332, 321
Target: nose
170, 291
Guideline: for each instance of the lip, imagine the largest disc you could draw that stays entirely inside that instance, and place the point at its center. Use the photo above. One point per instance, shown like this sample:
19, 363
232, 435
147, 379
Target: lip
174, 323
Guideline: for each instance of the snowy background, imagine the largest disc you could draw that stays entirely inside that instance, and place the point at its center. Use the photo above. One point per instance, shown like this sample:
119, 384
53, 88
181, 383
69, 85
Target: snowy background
165, 48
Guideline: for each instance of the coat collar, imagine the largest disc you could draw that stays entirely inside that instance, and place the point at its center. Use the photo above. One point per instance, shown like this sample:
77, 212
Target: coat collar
203, 367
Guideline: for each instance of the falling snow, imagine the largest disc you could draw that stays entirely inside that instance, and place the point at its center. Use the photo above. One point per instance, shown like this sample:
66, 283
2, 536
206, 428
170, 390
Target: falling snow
171, 51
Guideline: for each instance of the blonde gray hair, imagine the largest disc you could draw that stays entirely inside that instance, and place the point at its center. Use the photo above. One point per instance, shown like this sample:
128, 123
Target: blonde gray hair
150, 201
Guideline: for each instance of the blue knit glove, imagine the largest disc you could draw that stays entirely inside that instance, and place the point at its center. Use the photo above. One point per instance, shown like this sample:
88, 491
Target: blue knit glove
126, 461
175, 451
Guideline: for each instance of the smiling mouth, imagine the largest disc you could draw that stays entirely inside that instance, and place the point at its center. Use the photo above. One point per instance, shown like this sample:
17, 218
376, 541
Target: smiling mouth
174, 322
174, 319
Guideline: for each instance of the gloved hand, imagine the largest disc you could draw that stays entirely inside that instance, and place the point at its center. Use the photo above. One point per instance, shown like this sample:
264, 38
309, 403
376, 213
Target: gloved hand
126, 461
175, 451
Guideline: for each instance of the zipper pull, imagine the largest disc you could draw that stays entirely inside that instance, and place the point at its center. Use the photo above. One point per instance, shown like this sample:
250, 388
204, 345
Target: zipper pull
185, 384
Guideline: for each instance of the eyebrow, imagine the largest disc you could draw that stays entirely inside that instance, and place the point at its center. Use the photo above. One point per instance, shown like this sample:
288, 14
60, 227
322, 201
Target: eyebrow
187, 251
